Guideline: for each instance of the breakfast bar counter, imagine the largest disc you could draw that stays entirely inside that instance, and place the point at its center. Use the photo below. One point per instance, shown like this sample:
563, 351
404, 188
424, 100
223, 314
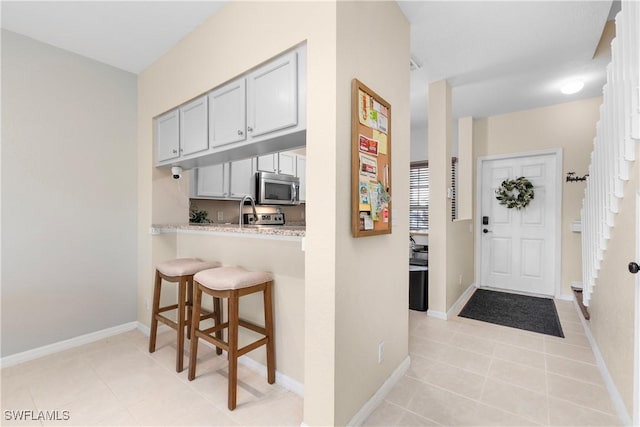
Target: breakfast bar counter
296, 231
278, 249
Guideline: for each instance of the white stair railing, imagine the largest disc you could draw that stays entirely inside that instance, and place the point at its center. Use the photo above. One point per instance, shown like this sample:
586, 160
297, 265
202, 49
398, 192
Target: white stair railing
617, 132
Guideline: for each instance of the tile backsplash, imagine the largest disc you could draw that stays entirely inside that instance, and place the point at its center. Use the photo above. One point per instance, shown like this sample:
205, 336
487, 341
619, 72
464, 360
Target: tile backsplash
228, 210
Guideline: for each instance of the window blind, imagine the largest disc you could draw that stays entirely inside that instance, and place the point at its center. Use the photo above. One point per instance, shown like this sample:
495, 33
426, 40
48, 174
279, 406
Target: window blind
419, 195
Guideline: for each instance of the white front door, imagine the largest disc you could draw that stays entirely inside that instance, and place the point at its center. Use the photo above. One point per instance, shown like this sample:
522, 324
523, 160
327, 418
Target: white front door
518, 247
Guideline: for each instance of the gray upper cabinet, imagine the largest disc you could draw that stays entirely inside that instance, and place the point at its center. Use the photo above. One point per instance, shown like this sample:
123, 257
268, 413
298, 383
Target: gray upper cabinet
282, 163
287, 163
301, 172
273, 96
241, 178
229, 180
193, 127
212, 181
167, 136
227, 117
268, 163
261, 111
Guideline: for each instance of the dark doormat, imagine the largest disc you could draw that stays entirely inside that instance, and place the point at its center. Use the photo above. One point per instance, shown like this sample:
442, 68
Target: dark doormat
513, 310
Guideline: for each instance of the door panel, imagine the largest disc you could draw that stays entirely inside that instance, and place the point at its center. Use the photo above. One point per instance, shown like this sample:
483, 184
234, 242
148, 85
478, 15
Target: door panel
531, 257
501, 256
518, 251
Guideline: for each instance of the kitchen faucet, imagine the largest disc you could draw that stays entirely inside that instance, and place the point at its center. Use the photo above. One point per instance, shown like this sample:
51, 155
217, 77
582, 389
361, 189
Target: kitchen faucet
253, 206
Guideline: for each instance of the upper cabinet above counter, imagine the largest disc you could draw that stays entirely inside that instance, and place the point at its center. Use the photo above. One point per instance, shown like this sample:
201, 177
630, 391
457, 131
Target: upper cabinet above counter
260, 112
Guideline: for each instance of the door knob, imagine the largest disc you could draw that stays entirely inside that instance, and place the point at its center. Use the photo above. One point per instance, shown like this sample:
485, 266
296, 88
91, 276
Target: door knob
486, 230
634, 267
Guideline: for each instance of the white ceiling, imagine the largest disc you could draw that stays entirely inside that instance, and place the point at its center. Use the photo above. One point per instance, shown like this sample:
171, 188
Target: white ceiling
129, 35
498, 56
507, 55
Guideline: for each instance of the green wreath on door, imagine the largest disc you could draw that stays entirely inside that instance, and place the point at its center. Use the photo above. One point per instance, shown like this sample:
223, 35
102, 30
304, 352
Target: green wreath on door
515, 193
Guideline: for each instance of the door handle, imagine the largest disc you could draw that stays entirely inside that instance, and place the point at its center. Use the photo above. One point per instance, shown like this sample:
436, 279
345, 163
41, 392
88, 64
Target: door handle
634, 267
486, 230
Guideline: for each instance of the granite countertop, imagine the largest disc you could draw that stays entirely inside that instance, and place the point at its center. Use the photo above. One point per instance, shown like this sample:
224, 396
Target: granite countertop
273, 230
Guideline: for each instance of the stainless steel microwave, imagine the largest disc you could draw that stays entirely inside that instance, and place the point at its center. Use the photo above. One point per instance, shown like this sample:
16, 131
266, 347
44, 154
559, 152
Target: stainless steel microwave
277, 189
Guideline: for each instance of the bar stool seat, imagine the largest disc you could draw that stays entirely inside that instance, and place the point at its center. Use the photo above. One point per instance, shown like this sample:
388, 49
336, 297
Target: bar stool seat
178, 271
231, 283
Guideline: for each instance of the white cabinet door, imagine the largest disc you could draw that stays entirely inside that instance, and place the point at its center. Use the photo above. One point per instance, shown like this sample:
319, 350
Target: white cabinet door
301, 170
242, 178
287, 163
268, 163
273, 96
227, 115
193, 127
212, 181
167, 136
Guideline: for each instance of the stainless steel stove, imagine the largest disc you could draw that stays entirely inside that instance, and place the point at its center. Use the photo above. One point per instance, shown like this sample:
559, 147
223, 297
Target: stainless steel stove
264, 219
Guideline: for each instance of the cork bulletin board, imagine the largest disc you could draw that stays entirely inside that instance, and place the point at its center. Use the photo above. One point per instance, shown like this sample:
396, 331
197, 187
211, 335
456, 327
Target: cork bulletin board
370, 162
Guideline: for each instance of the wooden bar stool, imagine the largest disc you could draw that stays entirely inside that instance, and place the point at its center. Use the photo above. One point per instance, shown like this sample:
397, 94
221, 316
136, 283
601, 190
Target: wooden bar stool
232, 283
178, 271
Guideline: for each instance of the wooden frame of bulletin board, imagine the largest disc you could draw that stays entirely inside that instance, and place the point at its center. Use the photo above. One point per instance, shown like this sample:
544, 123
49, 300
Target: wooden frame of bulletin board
370, 162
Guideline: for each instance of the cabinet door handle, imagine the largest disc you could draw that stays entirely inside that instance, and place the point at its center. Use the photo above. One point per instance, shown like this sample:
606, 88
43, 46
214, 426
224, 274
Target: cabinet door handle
240, 132
249, 129
174, 151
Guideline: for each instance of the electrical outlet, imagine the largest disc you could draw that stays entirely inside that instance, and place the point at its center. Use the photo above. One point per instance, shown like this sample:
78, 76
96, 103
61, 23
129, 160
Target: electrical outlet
146, 304
220, 216
381, 352
460, 279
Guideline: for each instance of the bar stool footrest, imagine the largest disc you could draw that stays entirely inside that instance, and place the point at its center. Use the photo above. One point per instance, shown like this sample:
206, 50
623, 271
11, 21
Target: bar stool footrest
252, 326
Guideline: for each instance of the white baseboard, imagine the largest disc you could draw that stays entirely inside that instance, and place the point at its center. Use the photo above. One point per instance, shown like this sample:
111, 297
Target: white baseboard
46, 350
367, 409
565, 297
437, 314
456, 305
454, 308
618, 403
281, 379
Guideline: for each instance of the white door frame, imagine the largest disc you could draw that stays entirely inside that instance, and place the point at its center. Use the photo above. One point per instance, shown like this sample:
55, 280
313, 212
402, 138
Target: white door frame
636, 352
557, 153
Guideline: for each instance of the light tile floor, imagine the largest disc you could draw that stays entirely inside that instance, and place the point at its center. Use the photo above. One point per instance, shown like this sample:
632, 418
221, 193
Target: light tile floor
469, 373
463, 372
116, 382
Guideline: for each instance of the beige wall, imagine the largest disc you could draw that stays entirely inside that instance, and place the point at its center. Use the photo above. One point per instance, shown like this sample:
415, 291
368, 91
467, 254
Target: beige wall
371, 272
68, 195
612, 302
571, 127
451, 242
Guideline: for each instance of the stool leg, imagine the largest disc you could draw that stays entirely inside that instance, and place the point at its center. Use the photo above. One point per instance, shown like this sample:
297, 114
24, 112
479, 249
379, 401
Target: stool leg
233, 349
182, 290
268, 322
195, 325
189, 305
217, 318
154, 312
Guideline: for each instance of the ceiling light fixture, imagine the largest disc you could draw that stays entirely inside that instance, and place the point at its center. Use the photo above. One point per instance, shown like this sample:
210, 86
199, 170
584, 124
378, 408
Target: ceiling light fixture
572, 86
